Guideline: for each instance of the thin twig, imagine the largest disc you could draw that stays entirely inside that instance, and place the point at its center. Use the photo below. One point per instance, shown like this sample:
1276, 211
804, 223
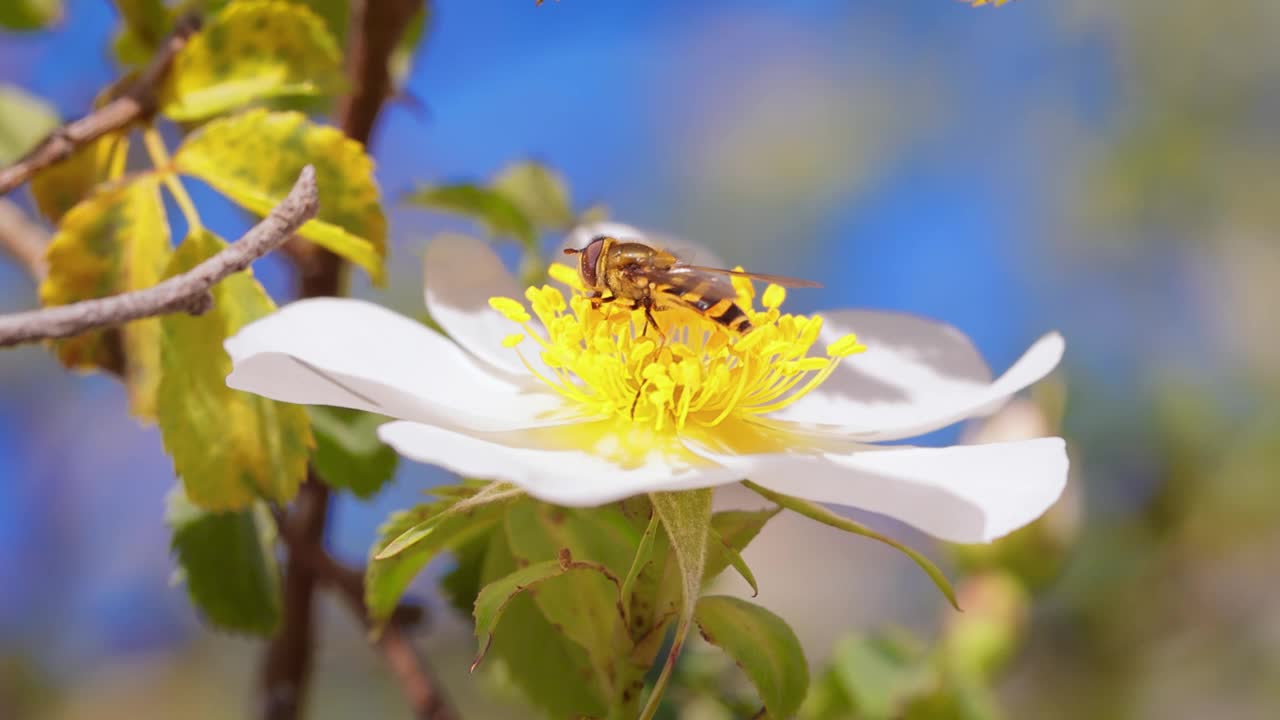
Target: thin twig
23, 239
188, 292
135, 103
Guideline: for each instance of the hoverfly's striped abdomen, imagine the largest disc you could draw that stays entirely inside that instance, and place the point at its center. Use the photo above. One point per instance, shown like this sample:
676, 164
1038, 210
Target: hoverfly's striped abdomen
721, 310
728, 314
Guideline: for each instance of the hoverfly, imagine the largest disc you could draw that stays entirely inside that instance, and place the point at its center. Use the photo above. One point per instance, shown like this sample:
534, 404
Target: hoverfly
648, 278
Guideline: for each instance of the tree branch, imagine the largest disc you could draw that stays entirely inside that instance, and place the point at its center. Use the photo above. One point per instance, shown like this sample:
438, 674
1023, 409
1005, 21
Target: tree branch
286, 673
375, 30
375, 27
23, 239
137, 102
188, 292
416, 681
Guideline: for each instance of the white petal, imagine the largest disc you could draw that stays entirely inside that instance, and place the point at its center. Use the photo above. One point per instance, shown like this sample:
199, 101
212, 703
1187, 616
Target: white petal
964, 493
460, 275
352, 353
550, 469
916, 376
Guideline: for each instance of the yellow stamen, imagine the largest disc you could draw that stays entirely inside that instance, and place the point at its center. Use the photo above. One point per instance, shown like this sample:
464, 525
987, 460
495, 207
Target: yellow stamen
701, 374
565, 275
773, 297
510, 309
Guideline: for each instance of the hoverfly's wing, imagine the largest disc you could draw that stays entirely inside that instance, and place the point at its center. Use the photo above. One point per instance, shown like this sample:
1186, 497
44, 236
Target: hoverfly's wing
691, 286
782, 280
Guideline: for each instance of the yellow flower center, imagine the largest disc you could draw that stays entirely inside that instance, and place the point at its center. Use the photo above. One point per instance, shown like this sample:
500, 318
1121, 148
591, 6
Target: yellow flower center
693, 371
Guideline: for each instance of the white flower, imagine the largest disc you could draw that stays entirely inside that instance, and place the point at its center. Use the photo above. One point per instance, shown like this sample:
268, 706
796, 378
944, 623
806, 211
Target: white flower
597, 412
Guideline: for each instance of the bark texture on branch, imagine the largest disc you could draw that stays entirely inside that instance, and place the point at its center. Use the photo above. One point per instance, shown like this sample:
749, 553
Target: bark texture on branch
136, 103
188, 292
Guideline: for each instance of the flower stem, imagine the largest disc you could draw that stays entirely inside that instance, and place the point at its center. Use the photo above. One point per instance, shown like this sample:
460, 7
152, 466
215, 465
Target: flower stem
660, 687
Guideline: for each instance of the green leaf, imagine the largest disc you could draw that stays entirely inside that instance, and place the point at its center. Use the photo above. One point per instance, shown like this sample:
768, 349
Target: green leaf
349, 455
882, 675
230, 448
496, 492
642, 558
586, 607
29, 14
826, 517
539, 192
400, 61
494, 597
763, 645
724, 552
60, 187
461, 584
24, 120
254, 157
228, 564
734, 530
115, 241
251, 51
535, 657
499, 215
687, 519
442, 525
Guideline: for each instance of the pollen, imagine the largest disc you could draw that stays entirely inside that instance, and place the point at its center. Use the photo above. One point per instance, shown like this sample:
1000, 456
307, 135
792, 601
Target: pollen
693, 373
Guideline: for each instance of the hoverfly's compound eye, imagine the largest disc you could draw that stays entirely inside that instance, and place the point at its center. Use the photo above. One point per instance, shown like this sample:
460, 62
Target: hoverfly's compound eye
589, 260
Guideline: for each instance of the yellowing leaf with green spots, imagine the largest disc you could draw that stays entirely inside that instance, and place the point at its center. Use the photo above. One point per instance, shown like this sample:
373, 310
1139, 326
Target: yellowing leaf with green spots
251, 51
115, 241
254, 157
58, 188
229, 447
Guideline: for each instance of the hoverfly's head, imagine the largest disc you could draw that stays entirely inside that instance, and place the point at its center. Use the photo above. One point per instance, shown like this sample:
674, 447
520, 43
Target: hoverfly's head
589, 259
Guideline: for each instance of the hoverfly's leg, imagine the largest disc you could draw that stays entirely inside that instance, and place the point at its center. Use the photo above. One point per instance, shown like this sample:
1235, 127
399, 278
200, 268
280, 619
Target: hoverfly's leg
636, 401
649, 320
597, 298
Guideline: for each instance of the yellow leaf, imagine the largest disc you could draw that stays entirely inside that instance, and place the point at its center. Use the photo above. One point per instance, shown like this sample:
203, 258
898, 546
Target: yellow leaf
115, 241
228, 447
58, 188
251, 51
254, 157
